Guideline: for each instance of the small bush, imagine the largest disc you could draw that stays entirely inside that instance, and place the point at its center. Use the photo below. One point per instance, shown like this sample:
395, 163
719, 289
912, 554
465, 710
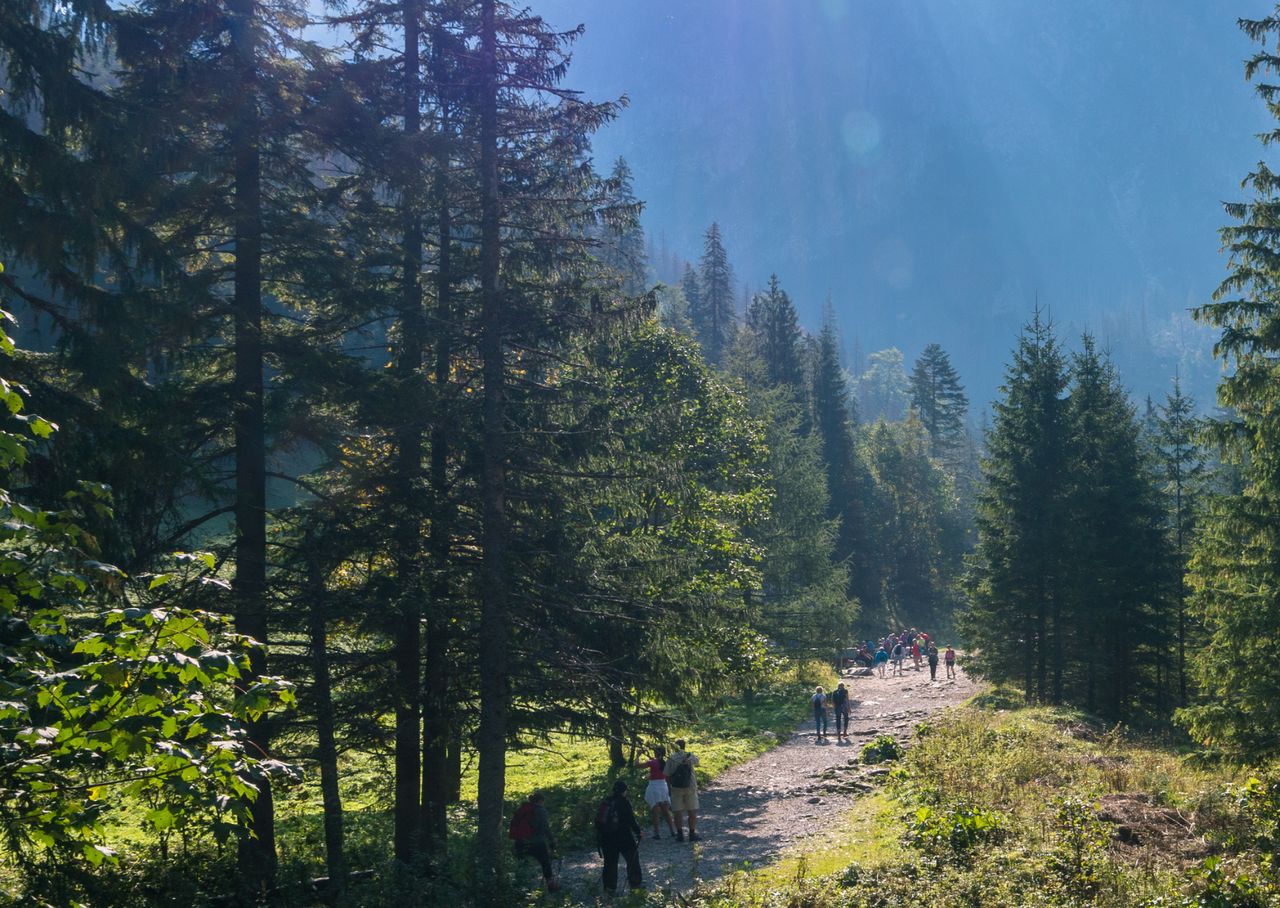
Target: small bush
883, 749
950, 833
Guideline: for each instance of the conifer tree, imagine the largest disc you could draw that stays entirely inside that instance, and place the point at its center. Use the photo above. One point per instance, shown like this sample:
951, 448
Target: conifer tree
775, 327
1016, 580
940, 402
1235, 560
1110, 616
711, 308
622, 243
849, 485
1183, 472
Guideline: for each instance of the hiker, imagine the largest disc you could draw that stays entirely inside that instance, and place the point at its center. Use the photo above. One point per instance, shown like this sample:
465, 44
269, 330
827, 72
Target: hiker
915, 653
819, 701
897, 656
840, 705
531, 831
950, 660
618, 833
882, 656
683, 782
656, 794
933, 662
864, 657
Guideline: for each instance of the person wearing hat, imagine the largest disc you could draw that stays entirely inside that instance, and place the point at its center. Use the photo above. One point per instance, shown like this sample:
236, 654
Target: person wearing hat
618, 834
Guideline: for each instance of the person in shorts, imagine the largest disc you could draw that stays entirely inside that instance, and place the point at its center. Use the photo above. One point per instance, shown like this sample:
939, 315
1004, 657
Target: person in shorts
683, 783
950, 660
657, 794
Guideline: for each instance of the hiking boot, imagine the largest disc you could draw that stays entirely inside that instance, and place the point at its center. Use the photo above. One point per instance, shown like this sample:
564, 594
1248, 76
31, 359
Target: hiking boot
694, 837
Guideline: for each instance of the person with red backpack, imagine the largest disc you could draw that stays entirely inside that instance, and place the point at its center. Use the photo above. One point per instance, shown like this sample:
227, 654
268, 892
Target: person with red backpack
618, 834
530, 830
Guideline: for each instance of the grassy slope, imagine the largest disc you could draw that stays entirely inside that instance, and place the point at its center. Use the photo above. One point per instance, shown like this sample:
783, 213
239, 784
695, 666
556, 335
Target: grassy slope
1020, 766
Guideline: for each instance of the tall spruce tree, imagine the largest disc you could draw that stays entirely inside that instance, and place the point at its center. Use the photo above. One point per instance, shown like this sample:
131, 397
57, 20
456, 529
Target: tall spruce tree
1235, 560
622, 243
775, 330
1016, 579
1183, 471
711, 309
939, 400
1108, 629
849, 484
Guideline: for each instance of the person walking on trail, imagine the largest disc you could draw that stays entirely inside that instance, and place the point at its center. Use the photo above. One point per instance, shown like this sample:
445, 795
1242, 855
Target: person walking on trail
882, 657
657, 794
683, 782
819, 701
915, 653
840, 706
897, 656
618, 835
933, 662
950, 659
530, 830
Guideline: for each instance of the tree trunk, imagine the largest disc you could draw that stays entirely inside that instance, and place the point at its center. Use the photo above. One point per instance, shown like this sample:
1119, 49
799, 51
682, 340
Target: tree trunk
408, 646
257, 852
491, 736
326, 742
616, 757
436, 703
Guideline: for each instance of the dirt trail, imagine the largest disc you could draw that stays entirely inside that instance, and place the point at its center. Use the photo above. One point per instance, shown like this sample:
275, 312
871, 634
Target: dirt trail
753, 812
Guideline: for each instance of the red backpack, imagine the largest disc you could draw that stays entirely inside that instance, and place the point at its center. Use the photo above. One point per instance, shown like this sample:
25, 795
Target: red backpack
521, 822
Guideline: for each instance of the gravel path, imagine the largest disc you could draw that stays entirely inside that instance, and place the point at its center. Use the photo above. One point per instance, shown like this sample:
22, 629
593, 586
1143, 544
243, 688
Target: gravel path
751, 813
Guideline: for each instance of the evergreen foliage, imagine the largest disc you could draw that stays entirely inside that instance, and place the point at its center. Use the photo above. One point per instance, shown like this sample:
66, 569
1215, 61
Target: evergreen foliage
940, 403
711, 306
1235, 558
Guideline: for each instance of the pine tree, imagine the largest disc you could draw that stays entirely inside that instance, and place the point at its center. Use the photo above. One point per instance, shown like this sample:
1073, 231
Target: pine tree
940, 402
1116, 555
1016, 581
775, 330
1235, 560
1184, 472
711, 307
849, 485
622, 246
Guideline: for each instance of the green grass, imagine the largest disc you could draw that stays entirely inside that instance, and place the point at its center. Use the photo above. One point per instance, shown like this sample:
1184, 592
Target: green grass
1059, 788
573, 771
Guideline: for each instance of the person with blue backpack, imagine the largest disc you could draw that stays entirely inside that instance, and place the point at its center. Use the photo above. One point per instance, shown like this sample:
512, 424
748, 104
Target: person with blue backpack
618, 835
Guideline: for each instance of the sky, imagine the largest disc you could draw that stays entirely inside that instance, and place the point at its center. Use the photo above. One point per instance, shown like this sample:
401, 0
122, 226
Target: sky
935, 167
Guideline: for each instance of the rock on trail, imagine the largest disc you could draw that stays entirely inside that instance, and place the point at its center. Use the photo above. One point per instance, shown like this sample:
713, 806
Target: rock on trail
753, 812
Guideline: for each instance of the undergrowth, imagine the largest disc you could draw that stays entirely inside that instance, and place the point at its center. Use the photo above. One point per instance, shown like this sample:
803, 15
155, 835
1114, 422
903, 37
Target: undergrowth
1000, 806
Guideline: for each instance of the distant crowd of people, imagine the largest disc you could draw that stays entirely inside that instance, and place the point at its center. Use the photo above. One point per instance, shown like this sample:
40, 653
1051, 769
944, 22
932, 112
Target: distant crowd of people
671, 795
671, 792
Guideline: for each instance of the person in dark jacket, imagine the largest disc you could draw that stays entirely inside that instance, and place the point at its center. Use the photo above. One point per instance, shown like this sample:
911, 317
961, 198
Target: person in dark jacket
619, 835
531, 830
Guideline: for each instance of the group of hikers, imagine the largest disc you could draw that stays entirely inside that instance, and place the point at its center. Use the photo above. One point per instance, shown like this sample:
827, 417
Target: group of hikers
895, 649
672, 799
671, 794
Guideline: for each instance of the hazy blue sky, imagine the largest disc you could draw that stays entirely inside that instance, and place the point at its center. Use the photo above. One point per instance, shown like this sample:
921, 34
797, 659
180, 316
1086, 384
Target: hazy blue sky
933, 164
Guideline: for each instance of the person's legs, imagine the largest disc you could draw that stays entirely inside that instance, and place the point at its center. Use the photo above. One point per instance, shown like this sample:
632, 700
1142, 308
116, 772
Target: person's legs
666, 815
610, 852
933, 671
817, 723
634, 879
693, 825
